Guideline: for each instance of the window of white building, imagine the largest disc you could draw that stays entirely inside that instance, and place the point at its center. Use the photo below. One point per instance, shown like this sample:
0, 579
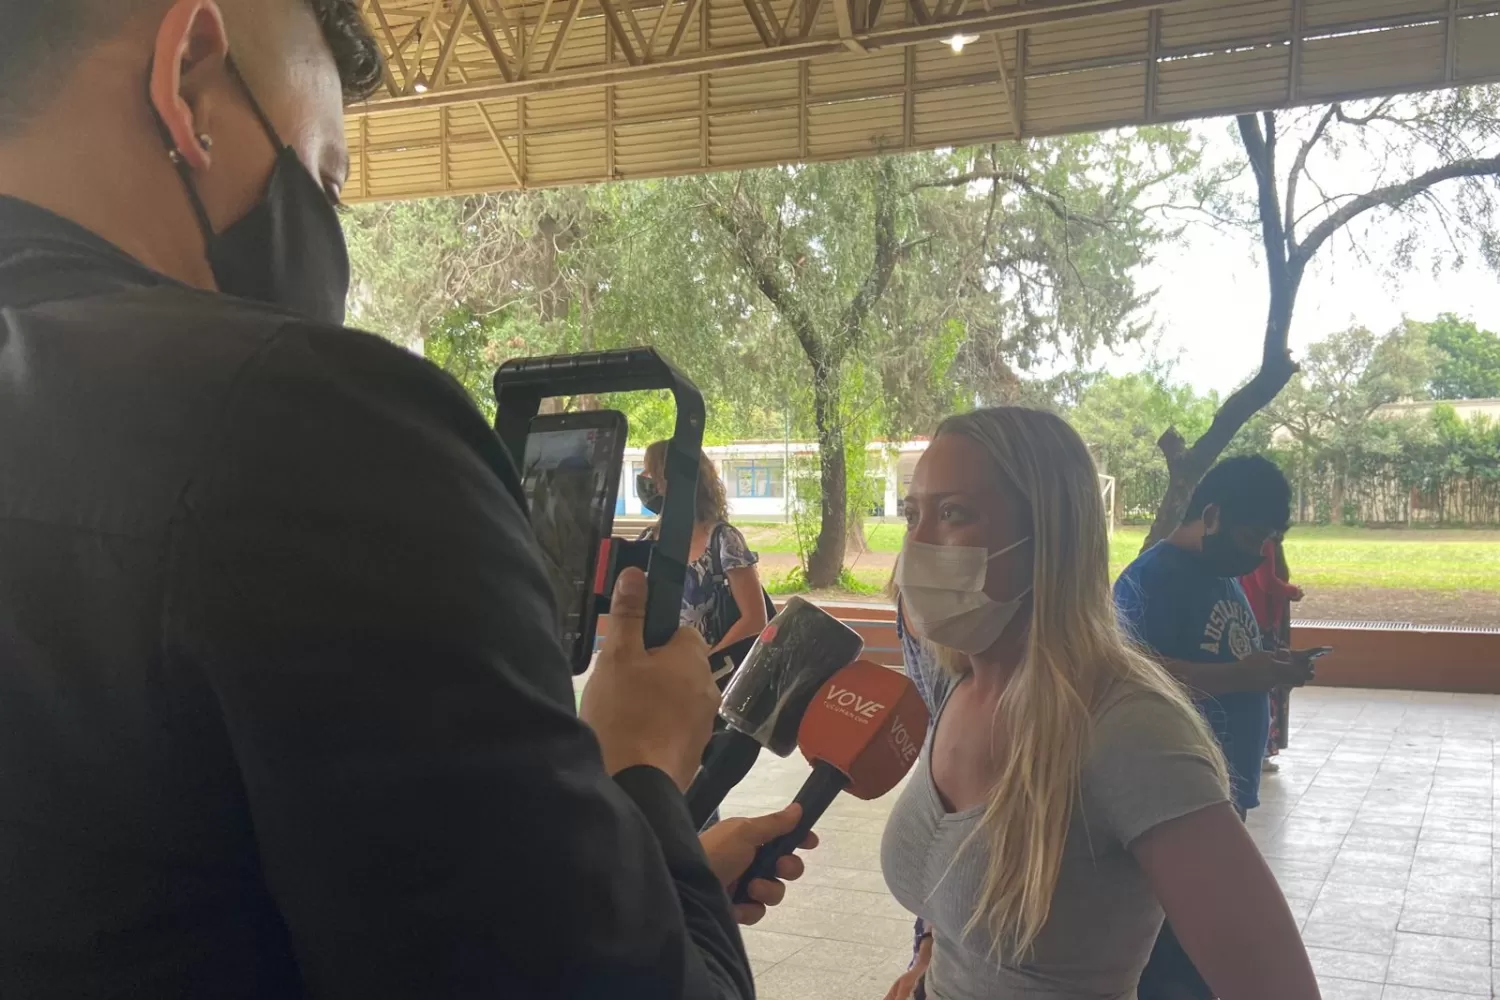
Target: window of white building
760, 478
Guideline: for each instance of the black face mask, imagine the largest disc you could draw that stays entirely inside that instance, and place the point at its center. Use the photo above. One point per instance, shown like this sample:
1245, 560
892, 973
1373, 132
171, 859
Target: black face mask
1225, 558
289, 250
651, 497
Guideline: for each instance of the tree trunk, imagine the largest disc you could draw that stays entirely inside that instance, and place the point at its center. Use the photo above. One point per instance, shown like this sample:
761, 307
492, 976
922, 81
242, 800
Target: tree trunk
855, 543
1187, 465
1340, 491
1184, 470
826, 559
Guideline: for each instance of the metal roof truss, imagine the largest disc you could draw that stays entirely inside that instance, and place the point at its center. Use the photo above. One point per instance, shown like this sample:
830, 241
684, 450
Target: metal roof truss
483, 95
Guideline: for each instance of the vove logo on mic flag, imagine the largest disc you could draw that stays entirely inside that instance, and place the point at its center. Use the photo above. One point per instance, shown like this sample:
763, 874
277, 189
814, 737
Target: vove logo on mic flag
870, 723
841, 699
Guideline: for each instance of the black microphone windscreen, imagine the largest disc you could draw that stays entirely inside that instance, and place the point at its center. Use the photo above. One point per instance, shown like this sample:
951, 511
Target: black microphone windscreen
800, 649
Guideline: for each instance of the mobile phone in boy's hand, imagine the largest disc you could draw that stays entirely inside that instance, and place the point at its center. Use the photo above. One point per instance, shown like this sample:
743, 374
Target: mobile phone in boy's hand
1300, 668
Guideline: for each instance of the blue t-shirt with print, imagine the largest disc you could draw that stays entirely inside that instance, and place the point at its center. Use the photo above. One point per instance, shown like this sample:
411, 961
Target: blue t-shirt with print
1170, 602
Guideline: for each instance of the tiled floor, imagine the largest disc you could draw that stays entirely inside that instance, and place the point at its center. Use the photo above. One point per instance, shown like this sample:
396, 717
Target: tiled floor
1380, 826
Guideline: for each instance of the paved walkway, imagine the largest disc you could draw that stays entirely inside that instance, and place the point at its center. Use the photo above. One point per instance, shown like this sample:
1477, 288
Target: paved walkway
1380, 827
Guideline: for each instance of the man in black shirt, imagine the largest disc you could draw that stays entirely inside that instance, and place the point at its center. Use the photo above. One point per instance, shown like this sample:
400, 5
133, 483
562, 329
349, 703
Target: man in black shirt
283, 710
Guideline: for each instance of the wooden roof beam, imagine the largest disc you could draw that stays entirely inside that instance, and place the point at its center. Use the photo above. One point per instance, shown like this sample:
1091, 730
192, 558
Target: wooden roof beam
516, 38
536, 32
786, 21
562, 36
661, 20
491, 41
762, 26
395, 52
843, 10
450, 45
510, 161
422, 29
810, 11
617, 29
635, 25
682, 26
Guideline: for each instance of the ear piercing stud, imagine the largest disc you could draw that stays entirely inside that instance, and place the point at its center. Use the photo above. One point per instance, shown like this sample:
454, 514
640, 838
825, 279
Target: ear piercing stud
205, 143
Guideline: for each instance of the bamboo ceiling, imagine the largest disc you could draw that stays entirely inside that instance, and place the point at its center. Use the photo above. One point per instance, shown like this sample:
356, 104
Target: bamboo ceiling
493, 94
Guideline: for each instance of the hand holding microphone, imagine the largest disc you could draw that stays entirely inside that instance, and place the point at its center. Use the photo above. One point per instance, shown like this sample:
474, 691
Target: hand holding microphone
731, 846
652, 707
862, 734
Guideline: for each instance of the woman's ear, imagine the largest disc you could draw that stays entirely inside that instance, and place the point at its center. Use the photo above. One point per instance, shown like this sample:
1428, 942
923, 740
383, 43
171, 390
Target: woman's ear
190, 43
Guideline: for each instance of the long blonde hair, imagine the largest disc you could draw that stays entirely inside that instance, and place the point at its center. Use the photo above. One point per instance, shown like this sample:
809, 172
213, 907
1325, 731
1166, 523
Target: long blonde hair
1075, 654
713, 500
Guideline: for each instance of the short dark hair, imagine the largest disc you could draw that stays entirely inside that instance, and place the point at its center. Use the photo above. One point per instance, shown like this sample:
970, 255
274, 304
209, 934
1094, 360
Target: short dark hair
355, 51
37, 33
1247, 489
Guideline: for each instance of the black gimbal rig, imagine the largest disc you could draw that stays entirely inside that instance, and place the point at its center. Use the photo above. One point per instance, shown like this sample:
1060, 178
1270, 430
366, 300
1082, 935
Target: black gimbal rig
520, 387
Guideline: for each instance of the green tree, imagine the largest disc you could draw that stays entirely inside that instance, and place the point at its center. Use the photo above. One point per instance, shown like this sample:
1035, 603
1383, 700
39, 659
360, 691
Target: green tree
1468, 361
1408, 148
1328, 406
849, 301
1349, 375
942, 273
1123, 416
473, 281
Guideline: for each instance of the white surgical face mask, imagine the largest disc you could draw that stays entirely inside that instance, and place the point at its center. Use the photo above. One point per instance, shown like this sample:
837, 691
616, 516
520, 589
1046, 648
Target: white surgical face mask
942, 595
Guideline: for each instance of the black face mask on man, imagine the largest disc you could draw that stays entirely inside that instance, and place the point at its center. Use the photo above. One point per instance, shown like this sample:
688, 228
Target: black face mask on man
288, 250
651, 498
1225, 558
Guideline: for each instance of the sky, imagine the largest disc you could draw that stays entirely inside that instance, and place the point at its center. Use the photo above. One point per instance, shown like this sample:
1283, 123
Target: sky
1210, 305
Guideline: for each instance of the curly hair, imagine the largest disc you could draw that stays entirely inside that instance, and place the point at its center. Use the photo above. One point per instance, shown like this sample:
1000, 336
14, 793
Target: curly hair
713, 499
355, 51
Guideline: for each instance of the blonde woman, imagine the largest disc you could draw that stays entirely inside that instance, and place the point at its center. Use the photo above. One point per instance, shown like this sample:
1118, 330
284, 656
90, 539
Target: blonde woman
1068, 792
722, 596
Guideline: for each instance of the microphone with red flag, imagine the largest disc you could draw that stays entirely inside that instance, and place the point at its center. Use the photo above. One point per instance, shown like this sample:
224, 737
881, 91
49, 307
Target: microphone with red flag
862, 733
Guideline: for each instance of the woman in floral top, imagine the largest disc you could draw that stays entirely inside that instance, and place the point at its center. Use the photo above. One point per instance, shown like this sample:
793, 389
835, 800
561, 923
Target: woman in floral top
722, 596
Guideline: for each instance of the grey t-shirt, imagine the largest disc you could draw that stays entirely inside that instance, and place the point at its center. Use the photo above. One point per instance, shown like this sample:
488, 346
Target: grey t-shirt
1140, 770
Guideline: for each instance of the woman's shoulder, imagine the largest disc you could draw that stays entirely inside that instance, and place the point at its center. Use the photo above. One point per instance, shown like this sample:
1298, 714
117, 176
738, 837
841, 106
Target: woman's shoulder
728, 533
1133, 713
1149, 760
734, 548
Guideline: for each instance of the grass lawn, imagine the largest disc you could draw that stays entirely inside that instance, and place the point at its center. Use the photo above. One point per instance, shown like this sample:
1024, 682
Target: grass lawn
1382, 559
780, 539
1322, 557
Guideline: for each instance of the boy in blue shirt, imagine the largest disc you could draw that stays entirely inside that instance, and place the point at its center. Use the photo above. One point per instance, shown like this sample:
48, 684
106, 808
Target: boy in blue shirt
1181, 599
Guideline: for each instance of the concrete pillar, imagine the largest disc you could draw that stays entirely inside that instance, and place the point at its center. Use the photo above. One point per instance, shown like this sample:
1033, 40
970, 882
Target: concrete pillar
892, 483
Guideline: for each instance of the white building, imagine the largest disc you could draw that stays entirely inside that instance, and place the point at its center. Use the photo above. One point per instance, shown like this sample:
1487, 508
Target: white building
755, 477
1467, 409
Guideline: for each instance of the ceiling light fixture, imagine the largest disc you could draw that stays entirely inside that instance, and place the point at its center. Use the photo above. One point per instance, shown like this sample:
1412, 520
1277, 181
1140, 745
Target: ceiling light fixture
957, 42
